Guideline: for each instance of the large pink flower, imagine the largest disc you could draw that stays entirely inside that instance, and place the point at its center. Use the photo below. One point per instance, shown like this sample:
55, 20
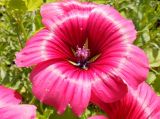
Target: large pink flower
84, 49
142, 103
9, 108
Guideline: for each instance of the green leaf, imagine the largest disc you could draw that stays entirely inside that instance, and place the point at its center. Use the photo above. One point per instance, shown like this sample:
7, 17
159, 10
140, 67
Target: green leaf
151, 77
33, 4
67, 115
50, 0
156, 85
17, 5
154, 57
146, 36
2, 73
2, 2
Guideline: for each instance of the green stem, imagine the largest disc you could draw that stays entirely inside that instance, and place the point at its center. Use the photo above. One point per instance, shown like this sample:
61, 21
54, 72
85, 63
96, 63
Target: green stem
116, 4
19, 40
154, 71
41, 107
23, 30
32, 101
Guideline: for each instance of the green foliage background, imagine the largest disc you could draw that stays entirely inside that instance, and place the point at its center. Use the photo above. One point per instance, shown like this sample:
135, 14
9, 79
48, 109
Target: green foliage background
19, 19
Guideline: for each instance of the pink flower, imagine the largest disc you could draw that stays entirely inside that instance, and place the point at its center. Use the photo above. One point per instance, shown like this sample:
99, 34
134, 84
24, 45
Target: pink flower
83, 49
9, 108
98, 117
142, 103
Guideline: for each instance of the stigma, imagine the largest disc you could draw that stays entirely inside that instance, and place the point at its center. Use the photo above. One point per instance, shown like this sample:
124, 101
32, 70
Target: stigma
82, 55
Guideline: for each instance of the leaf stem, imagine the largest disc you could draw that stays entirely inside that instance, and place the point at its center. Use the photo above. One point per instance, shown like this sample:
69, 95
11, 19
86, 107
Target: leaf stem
33, 100
19, 40
23, 30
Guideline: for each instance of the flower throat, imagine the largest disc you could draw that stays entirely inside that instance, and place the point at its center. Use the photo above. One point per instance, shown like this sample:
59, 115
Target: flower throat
83, 56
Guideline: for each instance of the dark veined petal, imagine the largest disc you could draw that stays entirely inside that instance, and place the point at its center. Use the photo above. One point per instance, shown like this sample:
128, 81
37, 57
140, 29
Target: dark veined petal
69, 32
107, 88
18, 112
8, 97
43, 46
59, 84
71, 28
107, 27
110, 36
142, 103
125, 61
98, 117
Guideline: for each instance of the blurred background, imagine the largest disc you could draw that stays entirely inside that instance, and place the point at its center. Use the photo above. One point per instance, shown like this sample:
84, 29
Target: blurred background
20, 19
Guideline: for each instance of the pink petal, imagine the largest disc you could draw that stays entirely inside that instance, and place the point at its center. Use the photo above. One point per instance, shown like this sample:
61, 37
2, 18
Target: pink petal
59, 84
56, 14
18, 112
69, 32
43, 46
98, 117
8, 97
54, 10
108, 89
106, 26
50, 10
125, 61
71, 28
142, 103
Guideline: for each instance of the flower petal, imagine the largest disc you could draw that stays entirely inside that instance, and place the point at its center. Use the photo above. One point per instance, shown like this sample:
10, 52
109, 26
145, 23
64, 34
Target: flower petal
106, 26
8, 97
18, 112
125, 61
69, 32
43, 46
98, 117
108, 89
54, 13
58, 83
71, 28
68, 21
55, 10
142, 103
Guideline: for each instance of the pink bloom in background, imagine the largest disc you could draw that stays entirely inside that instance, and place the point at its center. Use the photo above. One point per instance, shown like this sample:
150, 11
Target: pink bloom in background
10, 108
85, 49
98, 117
142, 103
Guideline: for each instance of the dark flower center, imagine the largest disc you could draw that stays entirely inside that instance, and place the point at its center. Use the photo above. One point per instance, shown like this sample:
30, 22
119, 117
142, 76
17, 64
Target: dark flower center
82, 55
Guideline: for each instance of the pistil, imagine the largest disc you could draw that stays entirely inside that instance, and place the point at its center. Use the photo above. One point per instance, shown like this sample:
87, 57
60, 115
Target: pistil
82, 55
